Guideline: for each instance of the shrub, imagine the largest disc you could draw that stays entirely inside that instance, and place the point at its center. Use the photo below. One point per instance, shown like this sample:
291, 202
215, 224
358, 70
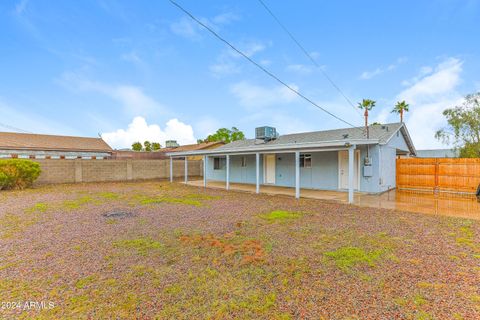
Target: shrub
18, 173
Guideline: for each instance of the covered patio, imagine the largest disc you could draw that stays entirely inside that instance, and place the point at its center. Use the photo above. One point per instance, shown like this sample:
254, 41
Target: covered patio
261, 180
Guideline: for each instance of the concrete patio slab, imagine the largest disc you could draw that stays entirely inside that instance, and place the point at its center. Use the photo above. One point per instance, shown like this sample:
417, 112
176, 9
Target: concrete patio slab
464, 206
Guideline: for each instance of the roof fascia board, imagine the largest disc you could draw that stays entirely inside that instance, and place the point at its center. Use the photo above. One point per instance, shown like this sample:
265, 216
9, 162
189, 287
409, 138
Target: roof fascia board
291, 146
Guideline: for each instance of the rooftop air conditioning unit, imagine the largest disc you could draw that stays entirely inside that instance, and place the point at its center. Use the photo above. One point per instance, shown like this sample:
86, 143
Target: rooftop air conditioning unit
171, 144
266, 133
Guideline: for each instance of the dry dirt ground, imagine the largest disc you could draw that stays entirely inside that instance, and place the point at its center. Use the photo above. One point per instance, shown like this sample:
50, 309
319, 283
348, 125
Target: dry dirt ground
188, 253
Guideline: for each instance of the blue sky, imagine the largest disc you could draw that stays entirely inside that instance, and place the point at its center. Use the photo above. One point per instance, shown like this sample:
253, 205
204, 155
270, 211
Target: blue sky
135, 70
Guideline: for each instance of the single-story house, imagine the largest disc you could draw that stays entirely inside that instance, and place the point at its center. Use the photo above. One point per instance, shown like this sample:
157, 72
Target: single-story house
43, 146
320, 160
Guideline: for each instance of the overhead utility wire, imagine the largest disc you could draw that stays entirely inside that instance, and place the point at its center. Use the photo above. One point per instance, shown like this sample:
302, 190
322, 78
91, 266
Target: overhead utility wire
13, 128
258, 65
309, 56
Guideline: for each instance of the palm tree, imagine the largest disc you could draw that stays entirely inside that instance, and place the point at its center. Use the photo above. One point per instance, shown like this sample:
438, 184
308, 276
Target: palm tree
400, 108
366, 104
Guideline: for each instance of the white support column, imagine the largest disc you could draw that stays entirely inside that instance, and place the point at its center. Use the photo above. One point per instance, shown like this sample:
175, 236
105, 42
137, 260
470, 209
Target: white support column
227, 178
171, 169
186, 170
257, 170
205, 160
297, 174
351, 172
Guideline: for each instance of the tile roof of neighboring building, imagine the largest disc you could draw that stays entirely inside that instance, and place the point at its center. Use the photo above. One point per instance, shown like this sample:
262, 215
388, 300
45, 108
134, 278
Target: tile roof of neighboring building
39, 142
193, 147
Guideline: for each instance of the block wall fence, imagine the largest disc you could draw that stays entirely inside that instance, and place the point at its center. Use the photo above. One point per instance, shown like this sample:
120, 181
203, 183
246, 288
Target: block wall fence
76, 171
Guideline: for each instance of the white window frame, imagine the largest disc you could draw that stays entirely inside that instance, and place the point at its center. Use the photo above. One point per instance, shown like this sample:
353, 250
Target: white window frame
243, 163
221, 164
303, 157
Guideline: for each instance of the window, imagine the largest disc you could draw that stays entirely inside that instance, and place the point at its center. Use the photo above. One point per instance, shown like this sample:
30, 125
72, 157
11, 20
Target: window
244, 162
219, 163
305, 161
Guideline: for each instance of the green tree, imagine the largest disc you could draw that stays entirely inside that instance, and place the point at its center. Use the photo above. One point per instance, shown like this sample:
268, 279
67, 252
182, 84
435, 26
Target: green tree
137, 146
226, 135
366, 105
463, 128
147, 146
400, 108
156, 146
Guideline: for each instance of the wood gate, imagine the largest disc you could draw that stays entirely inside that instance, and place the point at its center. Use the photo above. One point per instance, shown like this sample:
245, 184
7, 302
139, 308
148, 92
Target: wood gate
460, 175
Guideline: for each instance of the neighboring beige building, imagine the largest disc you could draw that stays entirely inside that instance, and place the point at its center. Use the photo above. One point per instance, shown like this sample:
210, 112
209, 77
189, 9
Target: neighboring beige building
43, 146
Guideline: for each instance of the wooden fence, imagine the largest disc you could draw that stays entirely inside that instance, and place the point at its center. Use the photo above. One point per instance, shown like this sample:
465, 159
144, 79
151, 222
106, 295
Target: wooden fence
439, 174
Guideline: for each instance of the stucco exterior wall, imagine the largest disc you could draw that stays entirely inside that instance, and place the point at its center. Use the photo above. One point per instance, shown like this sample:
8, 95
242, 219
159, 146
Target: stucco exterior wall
323, 174
370, 184
398, 142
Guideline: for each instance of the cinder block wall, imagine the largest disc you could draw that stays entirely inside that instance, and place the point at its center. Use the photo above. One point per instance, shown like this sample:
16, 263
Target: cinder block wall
70, 171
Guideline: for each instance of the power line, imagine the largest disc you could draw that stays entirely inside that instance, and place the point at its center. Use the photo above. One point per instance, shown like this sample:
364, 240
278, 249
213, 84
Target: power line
13, 128
309, 56
258, 65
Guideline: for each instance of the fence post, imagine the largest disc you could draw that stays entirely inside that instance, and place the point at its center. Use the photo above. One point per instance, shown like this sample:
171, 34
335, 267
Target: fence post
436, 187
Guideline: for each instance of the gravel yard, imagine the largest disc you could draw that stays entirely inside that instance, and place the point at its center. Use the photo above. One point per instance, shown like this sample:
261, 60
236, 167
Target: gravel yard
149, 250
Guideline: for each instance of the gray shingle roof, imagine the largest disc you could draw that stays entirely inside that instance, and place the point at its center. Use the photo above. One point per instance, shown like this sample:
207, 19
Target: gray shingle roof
382, 133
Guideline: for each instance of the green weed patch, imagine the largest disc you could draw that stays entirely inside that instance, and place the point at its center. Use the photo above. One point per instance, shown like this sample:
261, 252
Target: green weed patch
347, 257
280, 216
142, 245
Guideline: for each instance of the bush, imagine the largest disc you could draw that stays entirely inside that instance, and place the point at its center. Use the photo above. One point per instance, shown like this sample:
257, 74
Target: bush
18, 173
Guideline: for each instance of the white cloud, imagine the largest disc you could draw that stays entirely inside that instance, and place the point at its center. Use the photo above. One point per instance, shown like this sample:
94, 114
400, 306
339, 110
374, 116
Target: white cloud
226, 18
441, 82
434, 91
227, 62
224, 66
190, 29
299, 68
132, 98
425, 70
253, 96
132, 57
206, 125
252, 48
27, 120
140, 130
367, 75
185, 28
21, 6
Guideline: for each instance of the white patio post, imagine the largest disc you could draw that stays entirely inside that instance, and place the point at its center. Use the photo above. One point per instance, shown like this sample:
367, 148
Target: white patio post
205, 160
227, 178
186, 170
351, 172
297, 174
171, 169
257, 170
